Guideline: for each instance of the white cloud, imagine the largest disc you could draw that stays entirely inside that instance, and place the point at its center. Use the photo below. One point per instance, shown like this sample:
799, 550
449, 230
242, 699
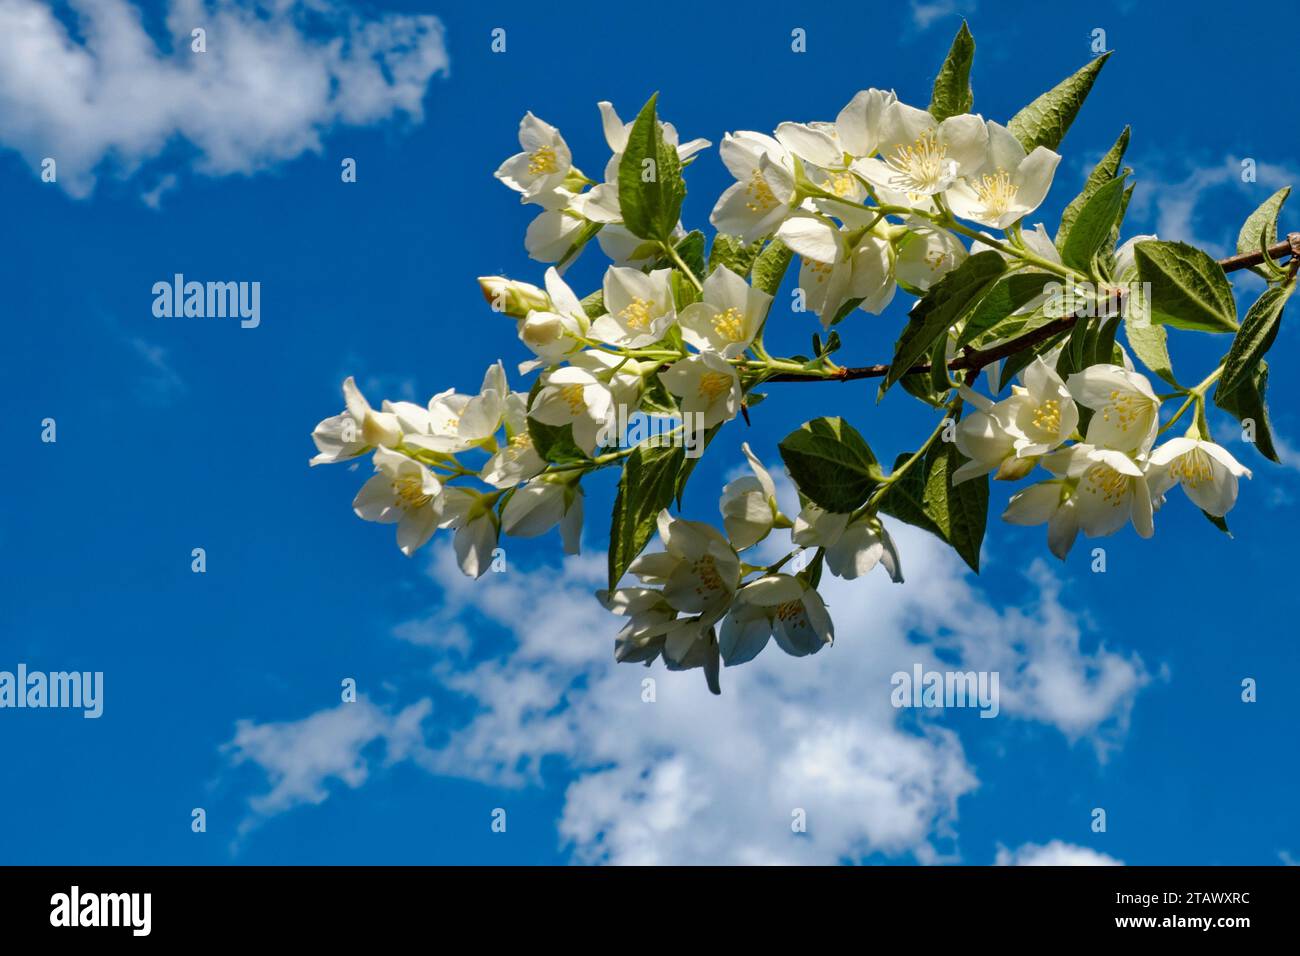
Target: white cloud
693, 778
100, 94
299, 757
1169, 202
927, 12
1055, 853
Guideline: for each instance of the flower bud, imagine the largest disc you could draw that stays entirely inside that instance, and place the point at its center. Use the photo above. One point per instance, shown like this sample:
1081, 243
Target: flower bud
515, 299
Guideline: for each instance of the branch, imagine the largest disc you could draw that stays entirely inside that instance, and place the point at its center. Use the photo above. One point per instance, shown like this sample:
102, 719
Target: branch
975, 359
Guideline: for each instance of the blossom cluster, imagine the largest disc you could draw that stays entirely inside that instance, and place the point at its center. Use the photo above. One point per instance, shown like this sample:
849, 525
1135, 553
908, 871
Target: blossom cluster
884, 197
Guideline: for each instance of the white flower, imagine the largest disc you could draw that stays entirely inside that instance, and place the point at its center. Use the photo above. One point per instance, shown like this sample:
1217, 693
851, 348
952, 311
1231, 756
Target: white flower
642, 638
551, 332
436, 428
623, 377
475, 523
1207, 472
926, 255
403, 491
337, 439
517, 460
852, 548
987, 436
1051, 502
707, 384
748, 505
1040, 413
1008, 186
832, 274
550, 236
860, 124
699, 570
639, 307
540, 505
512, 298
921, 155
729, 316
543, 164
780, 606
1126, 411
573, 396
481, 416
764, 191
1112, 489
815, 143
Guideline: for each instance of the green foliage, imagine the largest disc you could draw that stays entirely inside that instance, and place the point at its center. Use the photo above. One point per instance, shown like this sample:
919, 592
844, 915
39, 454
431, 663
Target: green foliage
1045, 121
554, 442
1107, 170
1092, 228
952, 93
831, 464
1255, 337
650, 185
646, 487
944, 305
1260, 228
1247, 403
1189, 290
926, 497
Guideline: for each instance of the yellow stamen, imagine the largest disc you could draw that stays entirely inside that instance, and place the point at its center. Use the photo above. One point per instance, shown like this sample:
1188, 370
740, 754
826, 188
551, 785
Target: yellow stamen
730, 324
713, 384
921, 165
543, 161
997, 192
637, 314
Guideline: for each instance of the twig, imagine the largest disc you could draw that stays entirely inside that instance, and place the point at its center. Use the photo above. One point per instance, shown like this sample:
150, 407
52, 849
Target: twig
975, 359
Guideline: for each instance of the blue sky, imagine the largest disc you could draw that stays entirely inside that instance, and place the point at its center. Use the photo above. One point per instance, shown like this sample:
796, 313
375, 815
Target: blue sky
1120, 690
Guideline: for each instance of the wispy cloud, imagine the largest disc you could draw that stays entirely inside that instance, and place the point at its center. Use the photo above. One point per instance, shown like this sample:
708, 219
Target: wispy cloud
1171, 198
87, 85
691, 778
925, 13
300, 758
1055, 853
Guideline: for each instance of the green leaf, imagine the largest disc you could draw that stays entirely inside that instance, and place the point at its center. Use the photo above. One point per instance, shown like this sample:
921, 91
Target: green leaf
1255, 337
691, 251
831, 464
1093, 227
926, 497
1246, 402
691, 462
1149, 343
1105, 171
1103, 350
1044, 121
734, 253
1010, 293
944, 305
1189, 290
1260, 228
1218, 522
769, 268
554, 442
952, 93
594, 304
645, 488
650, 186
